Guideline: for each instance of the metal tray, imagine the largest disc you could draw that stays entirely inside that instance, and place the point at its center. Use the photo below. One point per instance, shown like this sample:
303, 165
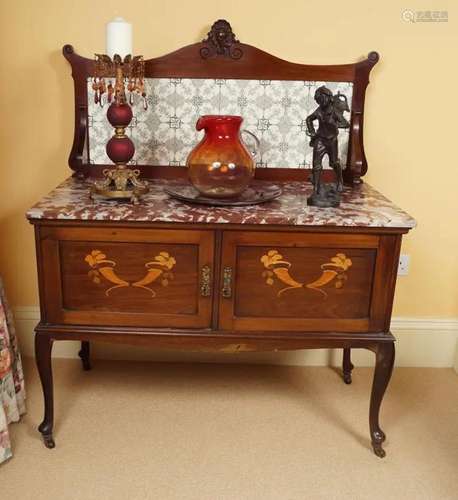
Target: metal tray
257, 192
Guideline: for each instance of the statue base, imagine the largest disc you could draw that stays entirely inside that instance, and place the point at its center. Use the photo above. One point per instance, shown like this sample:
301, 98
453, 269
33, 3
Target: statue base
327, 197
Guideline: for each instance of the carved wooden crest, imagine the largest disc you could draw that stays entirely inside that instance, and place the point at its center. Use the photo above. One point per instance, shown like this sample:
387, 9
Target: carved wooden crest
221, 41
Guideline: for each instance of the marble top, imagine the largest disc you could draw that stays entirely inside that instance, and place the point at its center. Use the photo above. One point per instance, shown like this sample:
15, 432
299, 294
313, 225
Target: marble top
361, 206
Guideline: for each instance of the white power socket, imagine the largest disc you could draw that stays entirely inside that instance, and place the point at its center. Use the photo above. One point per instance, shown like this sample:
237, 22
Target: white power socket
404, 263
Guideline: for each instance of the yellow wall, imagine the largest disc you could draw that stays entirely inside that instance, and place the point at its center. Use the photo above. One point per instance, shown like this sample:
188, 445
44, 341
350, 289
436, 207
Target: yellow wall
411, 127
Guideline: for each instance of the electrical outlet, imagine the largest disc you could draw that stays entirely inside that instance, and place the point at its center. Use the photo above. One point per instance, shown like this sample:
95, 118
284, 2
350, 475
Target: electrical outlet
404, 262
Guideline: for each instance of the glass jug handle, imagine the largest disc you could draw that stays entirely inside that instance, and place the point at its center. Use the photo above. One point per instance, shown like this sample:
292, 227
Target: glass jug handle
257, 144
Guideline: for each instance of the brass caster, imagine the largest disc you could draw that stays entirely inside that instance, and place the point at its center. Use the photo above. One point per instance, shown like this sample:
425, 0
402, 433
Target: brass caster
49, 441
378, 450
378, 438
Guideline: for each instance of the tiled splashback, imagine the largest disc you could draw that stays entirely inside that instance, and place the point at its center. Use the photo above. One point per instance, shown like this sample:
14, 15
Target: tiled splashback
165, 133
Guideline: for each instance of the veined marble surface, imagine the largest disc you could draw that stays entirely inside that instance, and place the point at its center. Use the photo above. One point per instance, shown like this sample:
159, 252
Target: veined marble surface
361, 206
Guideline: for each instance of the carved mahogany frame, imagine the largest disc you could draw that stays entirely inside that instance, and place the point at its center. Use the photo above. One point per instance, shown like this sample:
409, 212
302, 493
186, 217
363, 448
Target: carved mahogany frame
220, 55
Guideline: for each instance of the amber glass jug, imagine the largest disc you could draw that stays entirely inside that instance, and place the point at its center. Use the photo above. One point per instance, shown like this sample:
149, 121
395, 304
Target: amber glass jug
221, 166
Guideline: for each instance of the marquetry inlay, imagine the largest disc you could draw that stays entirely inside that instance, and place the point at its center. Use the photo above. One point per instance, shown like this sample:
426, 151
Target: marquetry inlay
279, 268
104, 269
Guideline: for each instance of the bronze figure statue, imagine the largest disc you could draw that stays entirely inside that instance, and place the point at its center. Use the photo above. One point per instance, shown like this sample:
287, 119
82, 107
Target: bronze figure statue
329, 115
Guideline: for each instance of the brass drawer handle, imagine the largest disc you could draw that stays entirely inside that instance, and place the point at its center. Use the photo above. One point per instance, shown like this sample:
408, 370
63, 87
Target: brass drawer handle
205, 281
227, 283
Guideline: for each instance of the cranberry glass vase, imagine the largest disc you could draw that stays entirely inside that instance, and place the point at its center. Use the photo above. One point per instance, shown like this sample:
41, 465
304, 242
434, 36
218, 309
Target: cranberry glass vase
220, 166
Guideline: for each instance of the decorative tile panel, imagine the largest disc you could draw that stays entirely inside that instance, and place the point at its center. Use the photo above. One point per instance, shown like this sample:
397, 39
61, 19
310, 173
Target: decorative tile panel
165, 133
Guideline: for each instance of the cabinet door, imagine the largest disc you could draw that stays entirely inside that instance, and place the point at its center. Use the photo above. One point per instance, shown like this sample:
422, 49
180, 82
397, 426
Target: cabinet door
304, 282
127, 277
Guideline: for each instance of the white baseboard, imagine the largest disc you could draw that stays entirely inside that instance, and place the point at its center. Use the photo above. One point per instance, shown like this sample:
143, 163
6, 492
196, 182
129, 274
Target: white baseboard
421, 342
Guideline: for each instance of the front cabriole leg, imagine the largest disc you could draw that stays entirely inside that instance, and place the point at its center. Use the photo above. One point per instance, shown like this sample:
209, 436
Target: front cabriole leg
43, 348
384, 356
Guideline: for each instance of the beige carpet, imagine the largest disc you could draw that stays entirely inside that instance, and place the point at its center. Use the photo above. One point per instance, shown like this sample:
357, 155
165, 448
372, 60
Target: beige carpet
211, 432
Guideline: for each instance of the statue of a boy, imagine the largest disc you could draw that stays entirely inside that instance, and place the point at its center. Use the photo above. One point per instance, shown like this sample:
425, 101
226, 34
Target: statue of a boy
329, 115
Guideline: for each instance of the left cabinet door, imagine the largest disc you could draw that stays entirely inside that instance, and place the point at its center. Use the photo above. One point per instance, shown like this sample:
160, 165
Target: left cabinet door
126, 276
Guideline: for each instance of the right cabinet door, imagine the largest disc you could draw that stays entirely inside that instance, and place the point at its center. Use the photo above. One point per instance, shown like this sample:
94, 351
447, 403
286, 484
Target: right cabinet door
306, 282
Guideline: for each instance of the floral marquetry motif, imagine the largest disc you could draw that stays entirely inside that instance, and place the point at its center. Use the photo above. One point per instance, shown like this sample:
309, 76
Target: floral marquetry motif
279, 268
103, 268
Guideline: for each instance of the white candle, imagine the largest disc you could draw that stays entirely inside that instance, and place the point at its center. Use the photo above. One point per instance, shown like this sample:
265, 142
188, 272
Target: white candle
118, 37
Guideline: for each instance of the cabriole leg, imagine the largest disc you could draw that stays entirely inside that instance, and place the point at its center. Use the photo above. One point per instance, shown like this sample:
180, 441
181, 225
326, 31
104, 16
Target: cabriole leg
43, 348
384, 356
84, 354
347, 365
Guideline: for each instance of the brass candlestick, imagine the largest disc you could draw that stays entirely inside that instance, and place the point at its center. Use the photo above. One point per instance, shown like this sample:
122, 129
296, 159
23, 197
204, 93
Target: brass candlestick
120, 182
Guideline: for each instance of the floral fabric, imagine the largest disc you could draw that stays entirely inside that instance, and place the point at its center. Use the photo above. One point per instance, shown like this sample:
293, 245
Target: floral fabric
12, 392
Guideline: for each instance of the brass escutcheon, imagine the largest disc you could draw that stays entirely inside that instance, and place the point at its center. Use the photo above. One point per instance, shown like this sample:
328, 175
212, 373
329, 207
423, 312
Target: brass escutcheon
205, 281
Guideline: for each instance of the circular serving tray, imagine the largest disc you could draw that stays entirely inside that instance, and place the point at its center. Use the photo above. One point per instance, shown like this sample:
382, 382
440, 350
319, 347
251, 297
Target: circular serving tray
253, 195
